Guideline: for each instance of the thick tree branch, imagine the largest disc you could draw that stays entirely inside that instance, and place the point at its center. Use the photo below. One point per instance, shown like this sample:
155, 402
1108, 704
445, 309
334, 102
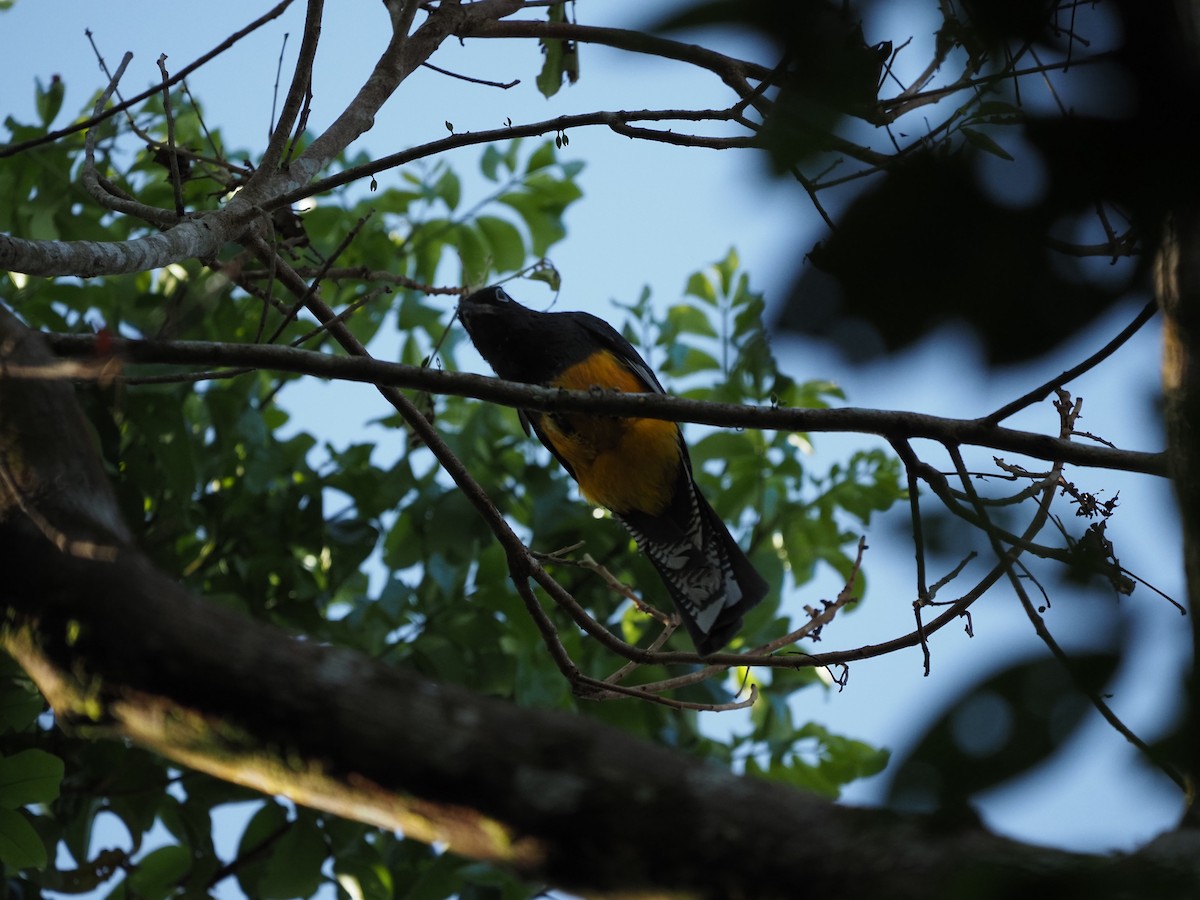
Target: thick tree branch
889, 424
1178, 286
199, 238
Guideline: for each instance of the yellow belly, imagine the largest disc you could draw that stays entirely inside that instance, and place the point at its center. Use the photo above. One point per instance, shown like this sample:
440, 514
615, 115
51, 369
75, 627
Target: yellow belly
623, 464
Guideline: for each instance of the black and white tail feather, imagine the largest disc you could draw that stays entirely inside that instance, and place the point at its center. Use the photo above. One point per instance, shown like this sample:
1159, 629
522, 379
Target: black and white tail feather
706, 573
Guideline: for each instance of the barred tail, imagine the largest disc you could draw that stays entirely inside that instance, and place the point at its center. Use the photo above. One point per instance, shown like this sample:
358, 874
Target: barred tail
709, 578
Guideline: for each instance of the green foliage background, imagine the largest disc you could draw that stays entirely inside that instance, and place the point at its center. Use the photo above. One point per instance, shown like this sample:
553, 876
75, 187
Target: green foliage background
328, 536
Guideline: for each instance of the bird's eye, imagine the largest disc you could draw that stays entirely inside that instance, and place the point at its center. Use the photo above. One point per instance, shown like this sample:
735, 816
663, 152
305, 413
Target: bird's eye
502, 297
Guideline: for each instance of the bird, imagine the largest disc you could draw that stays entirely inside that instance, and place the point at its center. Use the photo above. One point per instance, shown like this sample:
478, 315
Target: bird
637, 468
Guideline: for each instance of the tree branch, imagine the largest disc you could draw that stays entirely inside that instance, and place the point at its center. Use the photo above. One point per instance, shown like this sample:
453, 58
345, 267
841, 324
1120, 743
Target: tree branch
613, 119
888, 424
299, 89
730, 70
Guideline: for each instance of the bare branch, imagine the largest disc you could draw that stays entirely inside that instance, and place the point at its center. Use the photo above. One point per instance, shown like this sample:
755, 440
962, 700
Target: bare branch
190, 239
1043, 391
103, 191
888, 424
402, 55
505, 85
172, 155
730, 70
612, 119
301, 85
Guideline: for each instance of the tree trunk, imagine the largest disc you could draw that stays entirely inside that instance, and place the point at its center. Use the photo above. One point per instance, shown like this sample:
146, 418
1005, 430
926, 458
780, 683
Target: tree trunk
1177, 284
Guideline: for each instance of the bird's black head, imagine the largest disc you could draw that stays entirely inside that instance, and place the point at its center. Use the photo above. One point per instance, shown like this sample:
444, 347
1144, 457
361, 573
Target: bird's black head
489, 310
521, 344
494, 296
497, 325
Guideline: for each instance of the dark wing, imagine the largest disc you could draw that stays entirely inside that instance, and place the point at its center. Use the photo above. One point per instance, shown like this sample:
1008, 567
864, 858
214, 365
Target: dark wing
611, 339
532, 419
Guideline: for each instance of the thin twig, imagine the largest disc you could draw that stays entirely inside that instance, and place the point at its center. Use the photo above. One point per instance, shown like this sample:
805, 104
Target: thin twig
505, 85
1069, 414
172, 155
610, 119
1043, 391
345, 242
614, 583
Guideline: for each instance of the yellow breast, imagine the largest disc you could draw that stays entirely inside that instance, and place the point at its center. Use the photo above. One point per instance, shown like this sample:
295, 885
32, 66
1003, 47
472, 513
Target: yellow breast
623, 464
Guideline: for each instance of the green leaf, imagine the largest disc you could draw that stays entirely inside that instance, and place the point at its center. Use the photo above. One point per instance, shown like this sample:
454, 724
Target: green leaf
985, 143
685, 360
20, 704
20, 845
49, 99
540, 158
722, 445
449, 189
294, 867
265, 830
265, 826
545, 228
700, 287
562, 58
369, 877
159, 872
726, 269
508, 248
473, 254
490, 162
190, 823
547, 273
31, 776
440, 879
685, 319
550, 78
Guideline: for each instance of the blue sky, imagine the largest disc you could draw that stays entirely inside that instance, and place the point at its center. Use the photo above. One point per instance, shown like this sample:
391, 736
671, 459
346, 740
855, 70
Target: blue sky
651, 215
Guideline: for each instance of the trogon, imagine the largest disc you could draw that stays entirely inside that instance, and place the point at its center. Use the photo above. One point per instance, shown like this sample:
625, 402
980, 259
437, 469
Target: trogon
639, 469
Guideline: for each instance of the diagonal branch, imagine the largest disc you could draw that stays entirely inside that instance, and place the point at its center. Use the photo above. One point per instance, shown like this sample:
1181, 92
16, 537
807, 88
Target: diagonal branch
1043, 391
299, 89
